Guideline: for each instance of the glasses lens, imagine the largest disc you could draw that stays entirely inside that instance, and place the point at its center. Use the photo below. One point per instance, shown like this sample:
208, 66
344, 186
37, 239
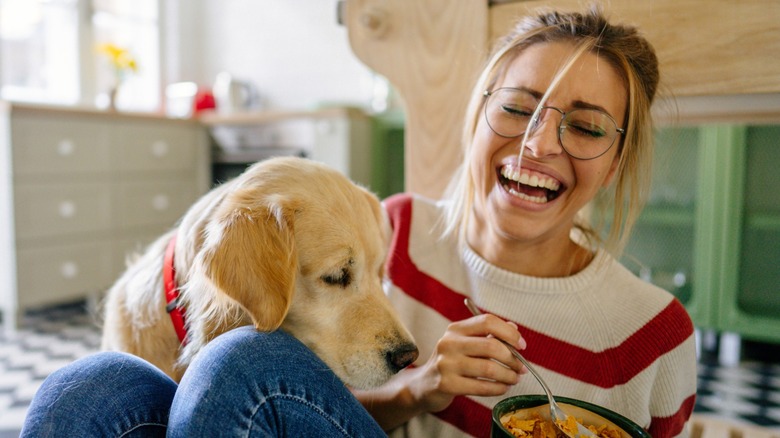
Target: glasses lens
587, 133
508, 111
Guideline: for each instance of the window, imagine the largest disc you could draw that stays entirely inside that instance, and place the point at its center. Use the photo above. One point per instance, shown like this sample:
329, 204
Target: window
131, 24
39, 50
48, 52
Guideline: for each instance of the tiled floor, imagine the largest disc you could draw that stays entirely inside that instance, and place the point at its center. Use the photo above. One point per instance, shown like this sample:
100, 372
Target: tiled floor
47, 340
54, 337
749, 391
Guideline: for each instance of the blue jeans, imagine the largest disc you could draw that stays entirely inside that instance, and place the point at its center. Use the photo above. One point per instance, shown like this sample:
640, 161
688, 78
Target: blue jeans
244, 383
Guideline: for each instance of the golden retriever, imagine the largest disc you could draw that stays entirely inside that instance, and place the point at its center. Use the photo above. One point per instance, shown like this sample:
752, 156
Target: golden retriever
289, 243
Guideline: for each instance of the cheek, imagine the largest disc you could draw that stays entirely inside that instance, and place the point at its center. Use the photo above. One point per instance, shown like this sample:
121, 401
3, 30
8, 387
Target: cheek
483, 147
476, 165
608, 168
592, 175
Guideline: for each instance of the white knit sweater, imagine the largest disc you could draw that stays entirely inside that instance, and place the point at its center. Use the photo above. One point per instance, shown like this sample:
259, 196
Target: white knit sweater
601, 335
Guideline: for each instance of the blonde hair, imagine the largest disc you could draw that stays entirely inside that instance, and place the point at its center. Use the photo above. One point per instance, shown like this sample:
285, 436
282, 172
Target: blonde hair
632, 56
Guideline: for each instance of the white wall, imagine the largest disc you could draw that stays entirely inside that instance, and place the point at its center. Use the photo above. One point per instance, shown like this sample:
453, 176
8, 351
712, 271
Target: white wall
294, 51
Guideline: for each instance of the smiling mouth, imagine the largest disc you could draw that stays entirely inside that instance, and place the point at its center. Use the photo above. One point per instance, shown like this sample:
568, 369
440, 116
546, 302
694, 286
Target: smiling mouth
529, 186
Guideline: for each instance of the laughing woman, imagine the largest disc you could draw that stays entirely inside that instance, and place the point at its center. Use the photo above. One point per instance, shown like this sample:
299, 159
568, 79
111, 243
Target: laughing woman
560, 114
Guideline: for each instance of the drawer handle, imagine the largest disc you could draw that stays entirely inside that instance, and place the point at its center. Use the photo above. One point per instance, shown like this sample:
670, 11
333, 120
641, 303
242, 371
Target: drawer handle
160, 202
66, 147
160, 148
69, 269
67, 209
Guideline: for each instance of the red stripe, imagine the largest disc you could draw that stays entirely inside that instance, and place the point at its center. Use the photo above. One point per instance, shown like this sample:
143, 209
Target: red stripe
663, 427
418, 285
476, 423
605, 369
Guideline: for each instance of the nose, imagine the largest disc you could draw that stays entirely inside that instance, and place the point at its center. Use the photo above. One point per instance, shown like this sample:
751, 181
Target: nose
543, 140
401, 357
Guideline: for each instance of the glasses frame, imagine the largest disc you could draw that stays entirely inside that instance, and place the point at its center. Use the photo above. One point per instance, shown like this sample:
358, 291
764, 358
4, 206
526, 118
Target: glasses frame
538, 114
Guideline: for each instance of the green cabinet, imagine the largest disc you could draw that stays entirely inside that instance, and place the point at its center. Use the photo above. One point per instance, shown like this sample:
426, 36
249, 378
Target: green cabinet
710, 233
387, 158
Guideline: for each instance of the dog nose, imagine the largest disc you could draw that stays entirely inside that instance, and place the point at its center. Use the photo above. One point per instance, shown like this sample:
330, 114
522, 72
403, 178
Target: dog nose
401, 357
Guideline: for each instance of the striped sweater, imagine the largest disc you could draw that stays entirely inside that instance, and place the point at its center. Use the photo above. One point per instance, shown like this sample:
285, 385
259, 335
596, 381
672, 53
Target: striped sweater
601, 335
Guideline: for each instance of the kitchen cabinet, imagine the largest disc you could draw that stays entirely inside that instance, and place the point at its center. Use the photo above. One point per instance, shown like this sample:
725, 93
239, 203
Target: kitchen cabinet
366, 148
710, 233
387, 163
80, 190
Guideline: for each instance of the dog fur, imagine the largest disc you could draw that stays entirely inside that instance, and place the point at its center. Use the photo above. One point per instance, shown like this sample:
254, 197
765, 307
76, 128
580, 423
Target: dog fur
290, 243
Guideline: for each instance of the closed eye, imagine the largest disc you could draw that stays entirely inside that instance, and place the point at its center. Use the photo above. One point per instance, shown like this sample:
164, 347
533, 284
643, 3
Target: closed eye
586, 130
342, 279
516, 112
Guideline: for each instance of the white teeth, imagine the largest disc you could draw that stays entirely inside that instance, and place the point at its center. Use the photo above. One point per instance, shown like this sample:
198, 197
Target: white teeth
524, 177
536, 199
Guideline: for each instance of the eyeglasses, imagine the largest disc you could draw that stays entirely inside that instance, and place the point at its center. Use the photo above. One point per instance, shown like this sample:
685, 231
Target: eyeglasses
584, 133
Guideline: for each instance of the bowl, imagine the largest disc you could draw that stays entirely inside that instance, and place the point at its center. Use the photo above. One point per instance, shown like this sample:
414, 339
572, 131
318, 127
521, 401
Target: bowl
587, 412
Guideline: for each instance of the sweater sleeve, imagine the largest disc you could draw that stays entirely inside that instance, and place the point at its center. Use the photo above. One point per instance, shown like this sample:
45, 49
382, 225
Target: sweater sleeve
674, 391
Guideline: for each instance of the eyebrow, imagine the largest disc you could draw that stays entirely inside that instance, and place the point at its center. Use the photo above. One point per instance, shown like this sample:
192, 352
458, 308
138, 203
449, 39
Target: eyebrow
585, 105
577, 104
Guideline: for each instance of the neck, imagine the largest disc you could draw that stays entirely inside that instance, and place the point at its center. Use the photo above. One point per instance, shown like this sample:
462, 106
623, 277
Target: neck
547, 259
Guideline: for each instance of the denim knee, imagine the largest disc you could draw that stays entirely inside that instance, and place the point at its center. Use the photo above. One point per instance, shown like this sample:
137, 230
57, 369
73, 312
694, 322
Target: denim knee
105, 394
268, 384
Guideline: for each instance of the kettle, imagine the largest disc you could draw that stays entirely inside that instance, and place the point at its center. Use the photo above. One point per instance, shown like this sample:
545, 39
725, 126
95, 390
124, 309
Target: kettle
232, 95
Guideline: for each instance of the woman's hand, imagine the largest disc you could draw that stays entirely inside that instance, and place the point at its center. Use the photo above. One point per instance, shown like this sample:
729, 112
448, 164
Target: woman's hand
468, 360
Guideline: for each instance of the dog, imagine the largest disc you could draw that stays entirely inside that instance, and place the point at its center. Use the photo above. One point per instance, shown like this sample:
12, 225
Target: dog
291, 244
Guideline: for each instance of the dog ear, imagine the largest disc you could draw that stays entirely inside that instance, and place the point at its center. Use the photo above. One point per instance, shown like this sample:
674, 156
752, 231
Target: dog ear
379, 214
253, 260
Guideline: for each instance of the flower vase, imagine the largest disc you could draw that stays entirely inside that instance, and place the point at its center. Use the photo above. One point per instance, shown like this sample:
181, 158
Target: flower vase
107, 99
112, 94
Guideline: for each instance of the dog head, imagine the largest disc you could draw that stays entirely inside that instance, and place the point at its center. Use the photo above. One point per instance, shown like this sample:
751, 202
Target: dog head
296, 244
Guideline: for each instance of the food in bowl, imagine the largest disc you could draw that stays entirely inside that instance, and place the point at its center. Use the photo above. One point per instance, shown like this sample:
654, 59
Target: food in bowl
526, 406
519, 424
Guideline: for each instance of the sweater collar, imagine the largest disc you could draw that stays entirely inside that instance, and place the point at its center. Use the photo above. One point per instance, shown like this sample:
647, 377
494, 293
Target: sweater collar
482, 270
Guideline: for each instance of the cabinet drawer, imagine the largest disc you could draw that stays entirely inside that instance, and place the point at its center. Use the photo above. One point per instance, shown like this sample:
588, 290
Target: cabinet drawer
143, 147
47, 210
63, 273
154, 202
59, 145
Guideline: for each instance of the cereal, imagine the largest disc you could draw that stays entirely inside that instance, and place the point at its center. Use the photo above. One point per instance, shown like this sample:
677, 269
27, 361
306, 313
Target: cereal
521, 425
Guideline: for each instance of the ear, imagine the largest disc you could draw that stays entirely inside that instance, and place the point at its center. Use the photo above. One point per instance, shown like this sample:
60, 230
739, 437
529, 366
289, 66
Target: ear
376, 206
252, 259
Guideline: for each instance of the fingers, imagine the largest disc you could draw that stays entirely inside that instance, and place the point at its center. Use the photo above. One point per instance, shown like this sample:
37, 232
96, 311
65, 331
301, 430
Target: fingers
478, 338
459, 374
480, 356
470, 359
521, 343
491, 325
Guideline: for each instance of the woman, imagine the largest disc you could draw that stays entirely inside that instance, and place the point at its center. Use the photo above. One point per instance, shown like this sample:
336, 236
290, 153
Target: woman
560, 113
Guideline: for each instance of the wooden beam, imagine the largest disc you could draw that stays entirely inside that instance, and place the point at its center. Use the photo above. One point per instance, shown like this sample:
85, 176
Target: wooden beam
431, 52
705, 47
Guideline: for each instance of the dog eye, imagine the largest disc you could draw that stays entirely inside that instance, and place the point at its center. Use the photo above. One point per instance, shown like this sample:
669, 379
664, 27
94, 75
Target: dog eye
342, 279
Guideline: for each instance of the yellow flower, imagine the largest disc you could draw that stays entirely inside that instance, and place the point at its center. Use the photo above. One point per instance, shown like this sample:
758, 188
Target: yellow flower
121, 60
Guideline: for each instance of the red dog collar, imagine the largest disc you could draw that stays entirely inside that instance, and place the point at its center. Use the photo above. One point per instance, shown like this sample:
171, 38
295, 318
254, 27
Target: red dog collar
172, 293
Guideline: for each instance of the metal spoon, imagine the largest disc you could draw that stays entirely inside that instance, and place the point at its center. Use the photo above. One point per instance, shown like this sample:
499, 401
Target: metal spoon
558, 415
